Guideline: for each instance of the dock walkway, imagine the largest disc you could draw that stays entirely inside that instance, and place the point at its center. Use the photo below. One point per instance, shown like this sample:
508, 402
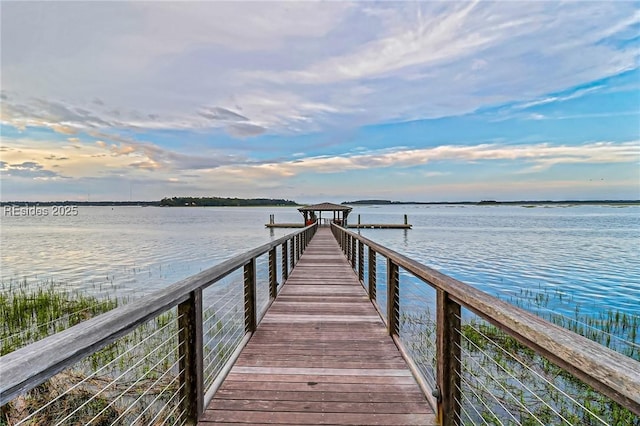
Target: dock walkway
321, 355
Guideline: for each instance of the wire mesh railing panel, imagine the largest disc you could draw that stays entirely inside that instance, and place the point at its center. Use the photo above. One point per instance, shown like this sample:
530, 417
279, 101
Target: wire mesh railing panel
417, 324
365, 269
381, 285
262, 284
279, 278
504, 382
223, 323
135, 380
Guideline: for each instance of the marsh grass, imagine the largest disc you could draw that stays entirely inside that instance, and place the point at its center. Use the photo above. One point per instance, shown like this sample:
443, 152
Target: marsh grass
612, 328
504, 382
551, 396
32, 311
132, 379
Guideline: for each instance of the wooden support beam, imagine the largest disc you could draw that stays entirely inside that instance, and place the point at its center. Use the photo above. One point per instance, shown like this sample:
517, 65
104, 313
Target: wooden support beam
372, 274
190, 353
448, 359
361, 261
273, 274
285, 262
292, 252
250, 309
393, 297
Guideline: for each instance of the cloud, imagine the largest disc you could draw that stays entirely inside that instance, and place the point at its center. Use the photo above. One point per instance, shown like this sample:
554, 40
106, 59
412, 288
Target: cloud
539, 156
235, 92
244, 130
146, 165
435, 174
218, 113
268, 64
556, 98
28, 170
122, 149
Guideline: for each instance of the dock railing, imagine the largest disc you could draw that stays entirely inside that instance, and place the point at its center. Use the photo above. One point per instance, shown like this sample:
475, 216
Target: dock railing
481, 360
157, 360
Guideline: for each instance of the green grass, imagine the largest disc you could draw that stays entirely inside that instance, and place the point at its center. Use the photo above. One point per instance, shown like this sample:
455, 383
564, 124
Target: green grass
141, 366
612, 328
30, 312
495, 366
132, 379
511, 364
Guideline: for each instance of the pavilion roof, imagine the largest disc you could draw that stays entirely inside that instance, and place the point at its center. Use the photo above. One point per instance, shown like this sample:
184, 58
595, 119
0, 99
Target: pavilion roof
325, 207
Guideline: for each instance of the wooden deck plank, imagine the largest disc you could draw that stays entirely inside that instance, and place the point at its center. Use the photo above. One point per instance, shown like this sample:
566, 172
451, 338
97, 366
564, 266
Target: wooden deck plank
211, 417
318, 386
321, 355
347, 405
236, 394
305, 378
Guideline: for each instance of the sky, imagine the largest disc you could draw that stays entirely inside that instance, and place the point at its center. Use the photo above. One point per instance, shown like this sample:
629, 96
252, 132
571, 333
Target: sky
320, 101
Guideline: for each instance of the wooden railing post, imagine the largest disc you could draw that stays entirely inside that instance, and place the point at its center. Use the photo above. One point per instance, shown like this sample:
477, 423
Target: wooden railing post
372, 274
361, 261
273, 274
292, 252
250, 310
190, 351
299, 247
393, 297
448, 358
285, 262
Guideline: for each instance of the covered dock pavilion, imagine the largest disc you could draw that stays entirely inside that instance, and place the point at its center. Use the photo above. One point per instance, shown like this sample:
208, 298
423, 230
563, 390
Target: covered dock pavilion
314, 212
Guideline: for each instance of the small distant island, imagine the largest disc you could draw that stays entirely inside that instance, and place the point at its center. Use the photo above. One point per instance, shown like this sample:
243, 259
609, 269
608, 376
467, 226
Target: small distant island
225, 202
168, 202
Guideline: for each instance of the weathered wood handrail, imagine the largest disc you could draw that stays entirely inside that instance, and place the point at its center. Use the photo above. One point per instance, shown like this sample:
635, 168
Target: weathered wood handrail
608, 372
27, 367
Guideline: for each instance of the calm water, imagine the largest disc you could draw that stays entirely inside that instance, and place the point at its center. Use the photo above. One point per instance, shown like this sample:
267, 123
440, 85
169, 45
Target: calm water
589, 254
138, 249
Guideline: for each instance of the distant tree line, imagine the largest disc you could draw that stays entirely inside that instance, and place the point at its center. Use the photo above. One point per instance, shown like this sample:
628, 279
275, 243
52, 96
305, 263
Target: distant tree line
489, 202
366, 202
224, 202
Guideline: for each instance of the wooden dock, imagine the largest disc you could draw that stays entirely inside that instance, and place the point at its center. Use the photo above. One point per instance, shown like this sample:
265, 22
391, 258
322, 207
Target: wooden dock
284, 225
357, 225
380, 226
321, 355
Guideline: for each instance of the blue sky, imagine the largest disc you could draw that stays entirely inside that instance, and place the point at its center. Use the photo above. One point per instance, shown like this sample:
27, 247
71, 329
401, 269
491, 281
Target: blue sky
320, 101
